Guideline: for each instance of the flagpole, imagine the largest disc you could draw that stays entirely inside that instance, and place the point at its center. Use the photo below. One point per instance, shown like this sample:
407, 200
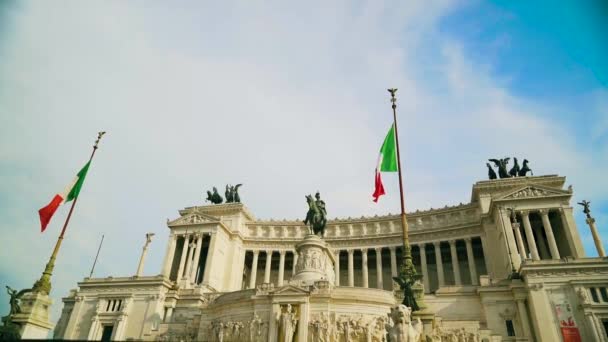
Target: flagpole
408, 270
44, 283
95, 262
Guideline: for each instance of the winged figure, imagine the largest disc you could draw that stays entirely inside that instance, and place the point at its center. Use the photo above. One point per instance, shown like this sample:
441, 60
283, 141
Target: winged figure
501, 164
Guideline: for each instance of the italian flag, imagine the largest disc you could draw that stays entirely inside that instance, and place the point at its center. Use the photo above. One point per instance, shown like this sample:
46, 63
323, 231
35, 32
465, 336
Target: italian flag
387, 161
70, 193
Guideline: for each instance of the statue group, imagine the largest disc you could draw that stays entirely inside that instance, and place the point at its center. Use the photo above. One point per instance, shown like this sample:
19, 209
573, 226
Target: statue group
9, 330
231, 193
501, 165
316, 216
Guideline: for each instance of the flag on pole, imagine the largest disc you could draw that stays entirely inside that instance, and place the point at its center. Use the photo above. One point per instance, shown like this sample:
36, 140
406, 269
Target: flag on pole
387, 161
71, 192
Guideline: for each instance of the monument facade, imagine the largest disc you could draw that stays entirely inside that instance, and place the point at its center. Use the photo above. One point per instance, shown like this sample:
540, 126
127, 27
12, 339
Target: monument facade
507, 266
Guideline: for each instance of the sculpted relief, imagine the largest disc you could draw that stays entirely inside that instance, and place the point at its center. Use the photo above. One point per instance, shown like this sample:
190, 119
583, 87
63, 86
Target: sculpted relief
254, 330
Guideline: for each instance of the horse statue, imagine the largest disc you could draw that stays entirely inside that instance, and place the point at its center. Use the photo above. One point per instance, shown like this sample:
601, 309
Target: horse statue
214, 197
316, 215
525, 169
501, 164
515, 169
232, 194
491, 172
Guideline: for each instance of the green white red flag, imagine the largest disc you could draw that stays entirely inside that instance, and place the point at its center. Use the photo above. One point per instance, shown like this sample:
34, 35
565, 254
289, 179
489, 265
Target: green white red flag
387, 161
70, 193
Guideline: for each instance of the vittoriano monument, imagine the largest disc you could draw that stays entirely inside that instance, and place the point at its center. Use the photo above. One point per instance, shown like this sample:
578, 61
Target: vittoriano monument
316, 217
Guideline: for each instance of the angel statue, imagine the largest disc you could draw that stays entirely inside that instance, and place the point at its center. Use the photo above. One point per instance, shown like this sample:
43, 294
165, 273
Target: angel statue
15, 297
586, 209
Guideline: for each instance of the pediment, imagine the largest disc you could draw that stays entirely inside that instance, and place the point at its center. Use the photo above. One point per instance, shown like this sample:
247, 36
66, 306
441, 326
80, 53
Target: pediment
193, 218
290, 290
532, 191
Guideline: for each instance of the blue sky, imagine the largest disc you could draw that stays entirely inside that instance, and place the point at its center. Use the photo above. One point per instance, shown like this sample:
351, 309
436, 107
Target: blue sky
287, 99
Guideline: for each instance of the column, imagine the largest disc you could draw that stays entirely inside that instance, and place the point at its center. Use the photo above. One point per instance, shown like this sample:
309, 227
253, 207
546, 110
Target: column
142, 260
510, 239
351, 271
425, 269
596, 237
364, 264
337, 268
529, 235
197, 256
191, 246
267, 269
455, 265
572, 236
543, 315
592, 326
254, 269
182, 260
169, 314
520, 242
393, 261
471, 259
169, 255
523, 317
209, 262
379, 282
544, 214
295, 262
281, 268
439, 262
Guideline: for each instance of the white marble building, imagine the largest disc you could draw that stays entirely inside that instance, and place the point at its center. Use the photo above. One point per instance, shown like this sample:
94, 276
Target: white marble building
229, 277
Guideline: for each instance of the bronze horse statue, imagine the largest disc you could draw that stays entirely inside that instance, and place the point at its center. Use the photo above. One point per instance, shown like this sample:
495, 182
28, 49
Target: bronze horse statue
314, 218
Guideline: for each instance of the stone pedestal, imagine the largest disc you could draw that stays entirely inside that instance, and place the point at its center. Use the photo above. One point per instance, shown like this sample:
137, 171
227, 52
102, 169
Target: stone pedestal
315, 262
34, 317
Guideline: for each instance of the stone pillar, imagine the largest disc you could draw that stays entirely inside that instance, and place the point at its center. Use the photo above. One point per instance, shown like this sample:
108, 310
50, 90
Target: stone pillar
511, 245
572, 236
351, 271
393, 261
364, 270
337, 268
425, 269
144, 252
281, 268
197, 256
544, 325
169, 314
295, 262
254, 269
209, 262
592, 326
549, 232
379, 281
471, 260
169, 255
523, 317
267, 269
520, 242
189, 259
182, 260
440, 278
596, 237
455, 264
73, 319
529, 235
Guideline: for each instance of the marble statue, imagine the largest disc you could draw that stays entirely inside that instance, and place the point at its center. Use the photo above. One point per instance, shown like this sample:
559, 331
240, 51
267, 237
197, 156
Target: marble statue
403, 329
287, 324
316, 216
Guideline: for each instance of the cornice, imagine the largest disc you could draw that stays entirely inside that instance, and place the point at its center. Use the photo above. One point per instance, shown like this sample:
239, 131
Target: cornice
501, 185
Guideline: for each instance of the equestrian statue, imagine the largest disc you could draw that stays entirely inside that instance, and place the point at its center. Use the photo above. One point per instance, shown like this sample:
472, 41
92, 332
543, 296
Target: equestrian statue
316, 217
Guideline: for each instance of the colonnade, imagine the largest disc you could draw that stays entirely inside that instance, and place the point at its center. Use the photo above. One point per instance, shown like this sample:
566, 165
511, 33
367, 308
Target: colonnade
379, 267
190, 268
531, 251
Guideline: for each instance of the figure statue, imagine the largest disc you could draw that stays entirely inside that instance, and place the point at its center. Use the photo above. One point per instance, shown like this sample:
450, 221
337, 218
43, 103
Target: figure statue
316, 215
525, 169
287, 324
235, 194
501, 164
403, 330
228, 193
586, 209
409, 299
515, 169
491, 173
15, 298
214, 197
